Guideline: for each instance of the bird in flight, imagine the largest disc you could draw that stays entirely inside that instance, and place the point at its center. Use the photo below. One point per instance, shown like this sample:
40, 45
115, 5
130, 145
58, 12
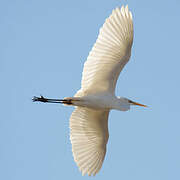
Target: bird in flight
89, 121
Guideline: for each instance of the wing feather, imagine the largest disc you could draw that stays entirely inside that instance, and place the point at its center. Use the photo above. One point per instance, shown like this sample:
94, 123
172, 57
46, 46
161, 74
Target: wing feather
109, 54
89, 136
89, 127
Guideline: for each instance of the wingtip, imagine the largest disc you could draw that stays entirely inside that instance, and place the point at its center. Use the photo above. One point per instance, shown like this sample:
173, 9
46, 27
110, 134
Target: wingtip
124, 9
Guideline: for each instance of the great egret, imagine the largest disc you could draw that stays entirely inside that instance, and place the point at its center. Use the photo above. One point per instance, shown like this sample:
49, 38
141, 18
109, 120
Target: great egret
89, 121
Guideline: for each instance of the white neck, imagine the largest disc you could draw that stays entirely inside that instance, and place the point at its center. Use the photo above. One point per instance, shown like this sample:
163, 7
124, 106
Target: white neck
121, 104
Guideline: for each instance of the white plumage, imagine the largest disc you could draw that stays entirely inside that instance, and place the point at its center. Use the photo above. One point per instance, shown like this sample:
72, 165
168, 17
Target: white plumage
89, 135
89, 121
110, 53
89, 127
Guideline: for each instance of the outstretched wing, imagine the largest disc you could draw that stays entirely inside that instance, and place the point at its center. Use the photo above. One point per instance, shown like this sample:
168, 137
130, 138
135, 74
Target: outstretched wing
89, 136
110, 53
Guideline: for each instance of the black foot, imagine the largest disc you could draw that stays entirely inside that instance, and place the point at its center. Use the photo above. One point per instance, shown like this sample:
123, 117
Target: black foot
40, 99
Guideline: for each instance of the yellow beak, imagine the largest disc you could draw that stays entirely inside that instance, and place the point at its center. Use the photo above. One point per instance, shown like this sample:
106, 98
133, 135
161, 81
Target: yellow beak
137, 104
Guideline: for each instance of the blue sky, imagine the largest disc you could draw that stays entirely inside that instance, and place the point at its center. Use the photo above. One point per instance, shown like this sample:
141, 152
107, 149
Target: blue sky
43, 45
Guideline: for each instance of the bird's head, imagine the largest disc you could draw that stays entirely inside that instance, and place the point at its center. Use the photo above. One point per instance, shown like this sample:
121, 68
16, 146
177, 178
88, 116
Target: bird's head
125, 103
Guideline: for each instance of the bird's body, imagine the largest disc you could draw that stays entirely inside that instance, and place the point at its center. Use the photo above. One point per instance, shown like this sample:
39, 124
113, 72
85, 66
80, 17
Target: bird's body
89, 121
105, 101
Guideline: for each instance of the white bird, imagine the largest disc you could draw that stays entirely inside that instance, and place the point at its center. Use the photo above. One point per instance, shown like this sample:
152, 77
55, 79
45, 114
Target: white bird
89, 121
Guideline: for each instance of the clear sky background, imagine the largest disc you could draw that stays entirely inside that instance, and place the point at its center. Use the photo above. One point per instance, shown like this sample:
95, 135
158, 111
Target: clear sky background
43, 45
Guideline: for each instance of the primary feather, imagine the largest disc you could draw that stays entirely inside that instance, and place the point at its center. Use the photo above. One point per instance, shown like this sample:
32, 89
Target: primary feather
109, 54
89, 135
